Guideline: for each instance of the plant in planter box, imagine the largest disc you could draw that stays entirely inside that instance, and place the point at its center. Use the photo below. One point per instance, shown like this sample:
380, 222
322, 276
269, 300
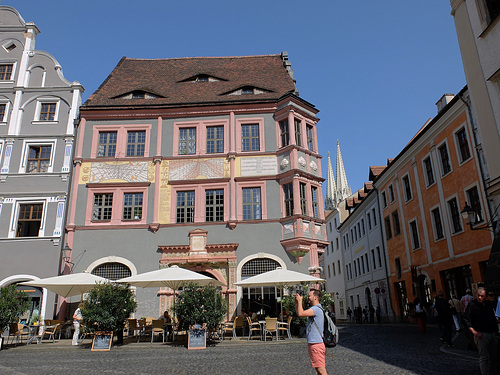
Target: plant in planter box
198, 305
13, 303
107, 307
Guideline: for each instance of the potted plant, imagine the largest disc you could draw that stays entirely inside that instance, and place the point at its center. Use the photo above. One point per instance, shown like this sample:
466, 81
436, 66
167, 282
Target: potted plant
200, 305
107, 307
13, 303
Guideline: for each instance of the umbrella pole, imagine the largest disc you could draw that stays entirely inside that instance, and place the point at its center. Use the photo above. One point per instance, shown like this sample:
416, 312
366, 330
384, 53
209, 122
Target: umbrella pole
175, 317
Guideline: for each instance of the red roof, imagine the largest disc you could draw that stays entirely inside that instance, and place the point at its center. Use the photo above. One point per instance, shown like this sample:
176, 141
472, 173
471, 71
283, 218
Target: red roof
173, 81
375, 170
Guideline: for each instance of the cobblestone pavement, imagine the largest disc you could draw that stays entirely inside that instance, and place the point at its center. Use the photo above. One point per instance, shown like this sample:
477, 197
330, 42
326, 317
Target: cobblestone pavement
364, 349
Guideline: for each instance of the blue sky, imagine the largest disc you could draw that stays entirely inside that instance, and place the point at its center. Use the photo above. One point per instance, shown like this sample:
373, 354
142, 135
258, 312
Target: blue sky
374, 69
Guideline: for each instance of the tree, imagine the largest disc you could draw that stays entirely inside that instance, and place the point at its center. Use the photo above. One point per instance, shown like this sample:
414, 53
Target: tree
13, 303
198, 305
107, 307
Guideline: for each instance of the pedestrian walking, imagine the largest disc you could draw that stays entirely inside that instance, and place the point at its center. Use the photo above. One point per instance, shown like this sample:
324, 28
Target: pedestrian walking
315, 321
480, 320
372, 314
456, 311
349, 314
464, 301
444, 312
421, 315
365, 315
77, 318
378, 314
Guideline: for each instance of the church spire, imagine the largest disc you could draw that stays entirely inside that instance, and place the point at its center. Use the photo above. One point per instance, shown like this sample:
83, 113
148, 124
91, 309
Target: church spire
336, 190
330, 186
343, 189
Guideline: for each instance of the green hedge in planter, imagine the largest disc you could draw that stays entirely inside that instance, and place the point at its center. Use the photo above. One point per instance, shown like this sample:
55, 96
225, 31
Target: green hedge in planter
197, 305
13, 303
108, 306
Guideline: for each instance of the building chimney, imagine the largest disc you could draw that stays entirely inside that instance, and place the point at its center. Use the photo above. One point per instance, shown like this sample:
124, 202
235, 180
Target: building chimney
443, 101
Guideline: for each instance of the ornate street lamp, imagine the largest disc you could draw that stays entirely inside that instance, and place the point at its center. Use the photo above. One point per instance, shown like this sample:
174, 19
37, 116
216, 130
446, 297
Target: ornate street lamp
470, 216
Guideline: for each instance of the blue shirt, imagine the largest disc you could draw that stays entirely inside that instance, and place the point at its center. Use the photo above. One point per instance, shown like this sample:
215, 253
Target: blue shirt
313, 334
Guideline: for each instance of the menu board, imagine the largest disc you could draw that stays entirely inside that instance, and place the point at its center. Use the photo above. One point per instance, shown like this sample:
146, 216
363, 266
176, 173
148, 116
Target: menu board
197, 338
102, 341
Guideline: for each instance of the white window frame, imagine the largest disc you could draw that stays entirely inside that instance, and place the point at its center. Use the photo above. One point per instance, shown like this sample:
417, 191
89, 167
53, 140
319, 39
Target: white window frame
14, 69
392, 197
424, 170
384, 199
457, 146
7, 44
438, 207
403, 187
410, 231
38, 109
445, 141
467, 199
450, 218
38, 142
15, 216
7, 111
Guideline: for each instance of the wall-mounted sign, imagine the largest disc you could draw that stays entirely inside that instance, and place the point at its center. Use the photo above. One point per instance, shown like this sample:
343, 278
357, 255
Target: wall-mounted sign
259, 166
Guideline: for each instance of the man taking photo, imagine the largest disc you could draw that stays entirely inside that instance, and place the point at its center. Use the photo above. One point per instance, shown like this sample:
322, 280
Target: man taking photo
314, 329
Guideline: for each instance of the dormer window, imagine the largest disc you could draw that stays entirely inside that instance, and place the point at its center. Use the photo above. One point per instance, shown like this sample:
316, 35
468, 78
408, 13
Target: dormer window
10, 47
202, 78
138, 94
247, 90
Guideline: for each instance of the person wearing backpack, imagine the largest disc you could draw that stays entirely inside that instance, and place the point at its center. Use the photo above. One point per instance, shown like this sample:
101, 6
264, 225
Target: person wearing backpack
316, 347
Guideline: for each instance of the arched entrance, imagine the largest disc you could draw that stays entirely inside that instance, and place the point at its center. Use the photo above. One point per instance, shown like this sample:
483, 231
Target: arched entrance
263, 300
424, 288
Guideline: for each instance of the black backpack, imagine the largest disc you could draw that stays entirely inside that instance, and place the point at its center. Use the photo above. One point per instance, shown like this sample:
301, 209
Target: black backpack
330, 332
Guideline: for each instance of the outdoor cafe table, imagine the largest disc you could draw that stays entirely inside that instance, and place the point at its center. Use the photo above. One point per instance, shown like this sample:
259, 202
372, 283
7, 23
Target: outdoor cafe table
34, 334
263, 327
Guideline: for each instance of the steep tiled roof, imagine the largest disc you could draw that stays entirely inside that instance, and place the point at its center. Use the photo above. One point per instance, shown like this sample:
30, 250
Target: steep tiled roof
171, 81
375, 170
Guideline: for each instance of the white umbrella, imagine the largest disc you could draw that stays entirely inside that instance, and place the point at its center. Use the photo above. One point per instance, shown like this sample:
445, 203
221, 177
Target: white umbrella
279, 278
68, 285
173, 277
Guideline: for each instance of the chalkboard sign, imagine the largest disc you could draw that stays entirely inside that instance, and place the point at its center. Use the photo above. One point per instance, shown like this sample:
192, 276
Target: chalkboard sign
197, 338
102, 341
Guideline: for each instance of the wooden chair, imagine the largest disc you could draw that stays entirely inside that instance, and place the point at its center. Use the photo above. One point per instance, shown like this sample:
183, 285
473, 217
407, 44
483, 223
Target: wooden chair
52, 331
84, 332
134, 327
157, 327
253, 327
18, 331
238, 324
144, 328
229, 327
271, 327
285, 326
